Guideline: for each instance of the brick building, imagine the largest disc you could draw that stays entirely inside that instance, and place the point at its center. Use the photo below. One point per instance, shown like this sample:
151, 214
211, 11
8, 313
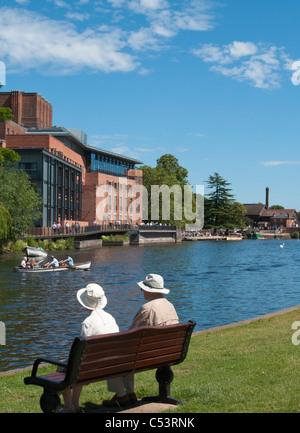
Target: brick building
77, 182
265, 218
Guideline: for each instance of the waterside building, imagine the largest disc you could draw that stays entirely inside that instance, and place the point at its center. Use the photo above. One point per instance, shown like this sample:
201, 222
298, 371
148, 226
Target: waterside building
78, 182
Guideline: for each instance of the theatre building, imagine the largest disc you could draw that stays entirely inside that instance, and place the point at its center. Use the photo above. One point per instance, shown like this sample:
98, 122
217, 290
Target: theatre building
78, 182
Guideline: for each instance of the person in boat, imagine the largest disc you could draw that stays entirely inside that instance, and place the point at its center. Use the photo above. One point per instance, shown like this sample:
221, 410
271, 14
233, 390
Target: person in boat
157, 311
99, 322
53, 263
25, 263
68, 262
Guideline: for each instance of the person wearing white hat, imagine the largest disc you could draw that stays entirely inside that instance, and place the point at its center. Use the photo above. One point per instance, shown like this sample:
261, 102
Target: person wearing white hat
93, 298
157, 311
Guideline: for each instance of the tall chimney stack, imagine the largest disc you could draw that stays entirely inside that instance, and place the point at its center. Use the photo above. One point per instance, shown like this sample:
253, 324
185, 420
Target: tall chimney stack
267, 198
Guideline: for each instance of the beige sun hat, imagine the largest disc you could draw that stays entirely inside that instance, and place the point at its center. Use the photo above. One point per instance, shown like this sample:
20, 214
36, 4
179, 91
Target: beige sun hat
92, 297
153, 283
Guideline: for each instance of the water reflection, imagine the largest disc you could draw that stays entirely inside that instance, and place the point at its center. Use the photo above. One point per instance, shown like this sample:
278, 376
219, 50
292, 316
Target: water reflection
213, 283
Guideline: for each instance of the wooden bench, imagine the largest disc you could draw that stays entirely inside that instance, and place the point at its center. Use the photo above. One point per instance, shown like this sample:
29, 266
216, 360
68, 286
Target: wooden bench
102, 357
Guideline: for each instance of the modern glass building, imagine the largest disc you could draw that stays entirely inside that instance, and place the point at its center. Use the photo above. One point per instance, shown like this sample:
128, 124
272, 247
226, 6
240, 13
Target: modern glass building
65, 169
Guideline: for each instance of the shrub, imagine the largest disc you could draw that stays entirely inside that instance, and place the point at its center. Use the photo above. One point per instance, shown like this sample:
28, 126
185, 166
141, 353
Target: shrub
60, 244
31, 242
18, 246
295, 235
69, 243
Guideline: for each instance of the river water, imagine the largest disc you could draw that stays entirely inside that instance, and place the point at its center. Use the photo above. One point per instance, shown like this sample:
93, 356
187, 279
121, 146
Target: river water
213, 283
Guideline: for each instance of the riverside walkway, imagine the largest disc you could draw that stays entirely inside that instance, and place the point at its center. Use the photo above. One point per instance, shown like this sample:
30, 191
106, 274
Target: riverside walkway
96, 230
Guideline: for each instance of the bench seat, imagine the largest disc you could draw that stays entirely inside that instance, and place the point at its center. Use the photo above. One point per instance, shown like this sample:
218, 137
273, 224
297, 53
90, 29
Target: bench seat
102, 357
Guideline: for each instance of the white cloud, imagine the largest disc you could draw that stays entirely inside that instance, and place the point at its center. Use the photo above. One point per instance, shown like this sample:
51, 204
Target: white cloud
258, 64
241, 49
77, 16
28, 40
32, 40
276, 163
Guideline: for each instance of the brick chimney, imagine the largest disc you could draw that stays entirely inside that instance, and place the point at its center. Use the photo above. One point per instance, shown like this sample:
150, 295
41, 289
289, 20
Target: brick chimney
267, 198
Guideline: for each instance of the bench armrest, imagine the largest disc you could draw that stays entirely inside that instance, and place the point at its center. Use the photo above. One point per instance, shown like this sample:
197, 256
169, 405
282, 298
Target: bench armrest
38, 361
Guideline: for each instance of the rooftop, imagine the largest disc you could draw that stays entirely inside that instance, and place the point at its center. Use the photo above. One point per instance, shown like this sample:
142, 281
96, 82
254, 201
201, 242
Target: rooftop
80, 138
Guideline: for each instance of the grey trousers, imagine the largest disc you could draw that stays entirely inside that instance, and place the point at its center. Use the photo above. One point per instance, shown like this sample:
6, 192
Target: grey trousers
121, 385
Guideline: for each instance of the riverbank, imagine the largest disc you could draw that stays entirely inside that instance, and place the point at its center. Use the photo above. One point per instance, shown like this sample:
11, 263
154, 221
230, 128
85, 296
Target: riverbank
246, 367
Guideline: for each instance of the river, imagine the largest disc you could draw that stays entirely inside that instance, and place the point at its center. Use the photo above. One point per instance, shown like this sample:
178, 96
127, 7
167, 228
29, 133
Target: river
213, 283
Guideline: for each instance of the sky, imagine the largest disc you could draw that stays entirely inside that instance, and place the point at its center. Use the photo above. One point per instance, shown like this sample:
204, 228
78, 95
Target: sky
214, 83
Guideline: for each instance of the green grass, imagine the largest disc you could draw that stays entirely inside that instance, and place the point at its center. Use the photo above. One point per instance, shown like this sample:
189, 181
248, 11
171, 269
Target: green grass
251, 368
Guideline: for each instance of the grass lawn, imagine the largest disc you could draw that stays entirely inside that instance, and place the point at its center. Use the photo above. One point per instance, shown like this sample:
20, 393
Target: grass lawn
251, 368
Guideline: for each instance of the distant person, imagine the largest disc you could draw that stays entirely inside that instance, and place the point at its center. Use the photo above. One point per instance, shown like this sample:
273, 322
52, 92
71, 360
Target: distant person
67, 226
67, 262
24, 263
54, 227
58, 227
53, 263
157, 311
93, 298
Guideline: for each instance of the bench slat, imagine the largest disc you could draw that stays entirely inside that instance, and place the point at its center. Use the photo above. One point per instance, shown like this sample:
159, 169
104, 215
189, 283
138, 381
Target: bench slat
108, 362
106, 372
100, 354
170, 359
93, 346
158, 352
55, 377
163, 337
163, 344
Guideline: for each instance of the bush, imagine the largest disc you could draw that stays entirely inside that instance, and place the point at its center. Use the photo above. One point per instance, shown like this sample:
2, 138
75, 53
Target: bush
18, 246
31, 242
116, 238
295, 235
69, 243
60, 244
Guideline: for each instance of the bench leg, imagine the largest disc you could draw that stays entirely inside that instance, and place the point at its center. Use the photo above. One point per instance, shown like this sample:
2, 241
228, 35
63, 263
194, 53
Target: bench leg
164, 377
50, 402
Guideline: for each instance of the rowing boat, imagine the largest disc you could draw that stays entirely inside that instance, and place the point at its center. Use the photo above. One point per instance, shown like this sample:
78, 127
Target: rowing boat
35, 252
78, 266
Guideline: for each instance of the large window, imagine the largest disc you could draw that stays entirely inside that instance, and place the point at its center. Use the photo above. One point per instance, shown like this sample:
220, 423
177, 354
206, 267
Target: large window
31, 168
110, 165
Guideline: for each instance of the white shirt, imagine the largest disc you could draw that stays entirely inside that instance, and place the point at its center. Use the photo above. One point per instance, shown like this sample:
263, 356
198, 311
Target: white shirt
54, 262
97, 323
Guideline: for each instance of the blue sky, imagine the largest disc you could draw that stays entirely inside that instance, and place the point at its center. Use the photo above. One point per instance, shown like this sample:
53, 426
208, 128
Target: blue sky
215, 83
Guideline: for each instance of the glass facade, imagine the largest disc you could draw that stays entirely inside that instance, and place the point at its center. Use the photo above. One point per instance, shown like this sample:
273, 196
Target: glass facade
109, 164
59, 183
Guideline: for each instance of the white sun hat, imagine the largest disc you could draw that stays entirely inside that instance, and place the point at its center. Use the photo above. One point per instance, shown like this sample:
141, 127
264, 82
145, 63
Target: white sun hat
153, 283
92, 297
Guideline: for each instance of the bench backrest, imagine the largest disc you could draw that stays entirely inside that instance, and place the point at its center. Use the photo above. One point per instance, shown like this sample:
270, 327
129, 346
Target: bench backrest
105, 356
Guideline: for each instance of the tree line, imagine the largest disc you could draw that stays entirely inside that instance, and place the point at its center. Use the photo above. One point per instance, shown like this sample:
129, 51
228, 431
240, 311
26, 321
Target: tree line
221, 210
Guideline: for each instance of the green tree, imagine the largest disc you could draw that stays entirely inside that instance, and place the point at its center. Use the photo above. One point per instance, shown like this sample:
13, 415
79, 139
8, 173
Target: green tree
5, 114
8, 157
167, 172
5, 224
220, 208
169, 163
20, 198
276, 206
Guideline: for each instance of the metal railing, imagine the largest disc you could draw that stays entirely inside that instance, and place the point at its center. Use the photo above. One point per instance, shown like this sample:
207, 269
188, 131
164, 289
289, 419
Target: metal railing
82, 230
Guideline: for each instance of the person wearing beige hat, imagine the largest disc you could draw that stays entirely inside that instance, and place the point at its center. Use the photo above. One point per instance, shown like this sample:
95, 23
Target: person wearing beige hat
157, 311
93, 298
